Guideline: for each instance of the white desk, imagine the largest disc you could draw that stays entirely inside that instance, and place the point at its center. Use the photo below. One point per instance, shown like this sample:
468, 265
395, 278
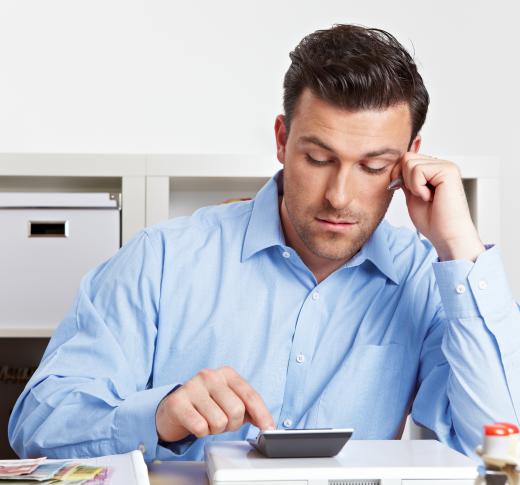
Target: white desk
178, 473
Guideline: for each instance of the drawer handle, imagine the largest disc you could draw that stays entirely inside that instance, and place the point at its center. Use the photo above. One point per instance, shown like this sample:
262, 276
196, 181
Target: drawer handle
48, 229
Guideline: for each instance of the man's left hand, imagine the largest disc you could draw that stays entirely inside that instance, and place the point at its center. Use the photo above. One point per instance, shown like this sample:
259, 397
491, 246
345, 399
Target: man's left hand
438, 207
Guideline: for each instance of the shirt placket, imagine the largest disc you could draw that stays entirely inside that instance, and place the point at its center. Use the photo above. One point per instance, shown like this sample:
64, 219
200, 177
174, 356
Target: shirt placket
300, 359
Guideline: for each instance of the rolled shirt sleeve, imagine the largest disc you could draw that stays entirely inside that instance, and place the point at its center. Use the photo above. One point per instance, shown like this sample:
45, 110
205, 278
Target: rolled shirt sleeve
475, 379
92, 394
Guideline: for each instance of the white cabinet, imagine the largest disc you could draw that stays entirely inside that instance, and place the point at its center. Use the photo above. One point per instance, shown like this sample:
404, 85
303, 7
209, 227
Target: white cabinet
48, 241
61, 172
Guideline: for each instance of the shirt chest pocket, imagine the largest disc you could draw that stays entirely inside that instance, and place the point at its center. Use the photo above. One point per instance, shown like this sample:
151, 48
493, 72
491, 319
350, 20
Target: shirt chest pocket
365, 393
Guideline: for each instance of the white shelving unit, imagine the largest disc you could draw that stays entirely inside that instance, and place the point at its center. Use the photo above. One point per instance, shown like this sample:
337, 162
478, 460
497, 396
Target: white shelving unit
81, 172
179, 184
156, 187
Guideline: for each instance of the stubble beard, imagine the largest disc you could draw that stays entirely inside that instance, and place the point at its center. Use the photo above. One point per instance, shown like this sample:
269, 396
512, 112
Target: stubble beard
331, 245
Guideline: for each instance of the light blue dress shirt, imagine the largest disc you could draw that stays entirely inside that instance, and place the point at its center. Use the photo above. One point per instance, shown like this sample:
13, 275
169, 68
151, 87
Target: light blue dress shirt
393, 330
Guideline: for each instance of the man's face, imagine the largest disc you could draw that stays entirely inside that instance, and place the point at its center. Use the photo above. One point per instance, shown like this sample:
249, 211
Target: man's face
337, 165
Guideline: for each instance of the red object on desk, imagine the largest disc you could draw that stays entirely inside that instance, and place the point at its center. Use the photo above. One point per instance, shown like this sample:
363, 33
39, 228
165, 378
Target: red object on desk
500, 429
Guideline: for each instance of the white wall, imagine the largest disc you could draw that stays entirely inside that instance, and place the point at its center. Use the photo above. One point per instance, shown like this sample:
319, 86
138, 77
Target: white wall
205, 76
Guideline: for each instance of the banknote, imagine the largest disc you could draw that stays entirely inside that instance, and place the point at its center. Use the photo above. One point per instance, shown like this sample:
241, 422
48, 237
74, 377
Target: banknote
62, 472
15, 467
45, 471
80, 472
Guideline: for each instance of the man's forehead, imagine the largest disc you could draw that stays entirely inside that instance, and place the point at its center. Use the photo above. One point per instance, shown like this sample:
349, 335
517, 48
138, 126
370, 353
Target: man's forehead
323, 123
308, 102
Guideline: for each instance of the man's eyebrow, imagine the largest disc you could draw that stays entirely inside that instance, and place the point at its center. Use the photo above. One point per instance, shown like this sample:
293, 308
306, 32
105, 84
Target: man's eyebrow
376, 153
315, 141
383, 151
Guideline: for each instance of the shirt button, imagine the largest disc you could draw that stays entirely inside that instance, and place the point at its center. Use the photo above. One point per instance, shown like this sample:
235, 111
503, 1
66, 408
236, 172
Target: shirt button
287, 423
300, 358
315, 296
286, 254
482, 284
460, 289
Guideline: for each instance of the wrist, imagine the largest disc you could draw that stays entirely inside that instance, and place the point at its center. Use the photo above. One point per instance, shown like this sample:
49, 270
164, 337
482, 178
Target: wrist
465, 249
165, 429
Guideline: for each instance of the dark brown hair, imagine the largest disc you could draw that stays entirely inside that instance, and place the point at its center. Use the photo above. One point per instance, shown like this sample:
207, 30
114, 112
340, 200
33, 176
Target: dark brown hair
355, 68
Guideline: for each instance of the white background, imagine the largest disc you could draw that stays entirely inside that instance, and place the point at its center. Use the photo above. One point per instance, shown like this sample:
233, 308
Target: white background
129, 76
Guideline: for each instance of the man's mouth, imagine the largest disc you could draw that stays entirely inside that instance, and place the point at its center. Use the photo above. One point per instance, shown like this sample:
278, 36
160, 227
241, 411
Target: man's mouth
336, 224
337, 221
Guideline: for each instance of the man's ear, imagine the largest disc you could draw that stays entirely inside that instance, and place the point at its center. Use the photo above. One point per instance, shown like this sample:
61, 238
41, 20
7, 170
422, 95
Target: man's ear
416, 144
280, 134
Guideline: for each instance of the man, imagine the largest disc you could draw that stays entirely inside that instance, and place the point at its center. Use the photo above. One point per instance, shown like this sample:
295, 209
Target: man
300, 308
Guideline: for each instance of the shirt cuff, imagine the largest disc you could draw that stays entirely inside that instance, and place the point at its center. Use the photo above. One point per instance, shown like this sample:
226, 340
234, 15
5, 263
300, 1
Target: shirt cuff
135, 421
179, 447
478, 289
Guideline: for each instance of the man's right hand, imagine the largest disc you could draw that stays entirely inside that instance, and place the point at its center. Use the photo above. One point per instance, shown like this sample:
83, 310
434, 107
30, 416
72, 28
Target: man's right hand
212, 402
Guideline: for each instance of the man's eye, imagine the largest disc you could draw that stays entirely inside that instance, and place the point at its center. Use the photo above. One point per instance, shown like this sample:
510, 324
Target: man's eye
371, 170
314, 161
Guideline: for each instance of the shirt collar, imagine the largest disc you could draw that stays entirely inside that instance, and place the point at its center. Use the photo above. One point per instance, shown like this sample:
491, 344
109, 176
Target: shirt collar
377, 251
265, 230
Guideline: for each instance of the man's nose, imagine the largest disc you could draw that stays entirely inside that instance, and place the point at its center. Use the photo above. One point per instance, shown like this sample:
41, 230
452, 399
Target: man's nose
340, 190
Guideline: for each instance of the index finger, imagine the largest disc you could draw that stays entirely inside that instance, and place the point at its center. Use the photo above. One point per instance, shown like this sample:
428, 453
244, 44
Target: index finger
255, 406
396, 170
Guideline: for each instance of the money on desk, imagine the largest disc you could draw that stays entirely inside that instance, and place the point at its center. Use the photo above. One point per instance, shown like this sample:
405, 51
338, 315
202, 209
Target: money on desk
8, 468
62, 472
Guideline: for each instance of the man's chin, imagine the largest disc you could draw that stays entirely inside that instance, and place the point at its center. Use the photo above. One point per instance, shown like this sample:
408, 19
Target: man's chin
335, 256
334, 247
334, 253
